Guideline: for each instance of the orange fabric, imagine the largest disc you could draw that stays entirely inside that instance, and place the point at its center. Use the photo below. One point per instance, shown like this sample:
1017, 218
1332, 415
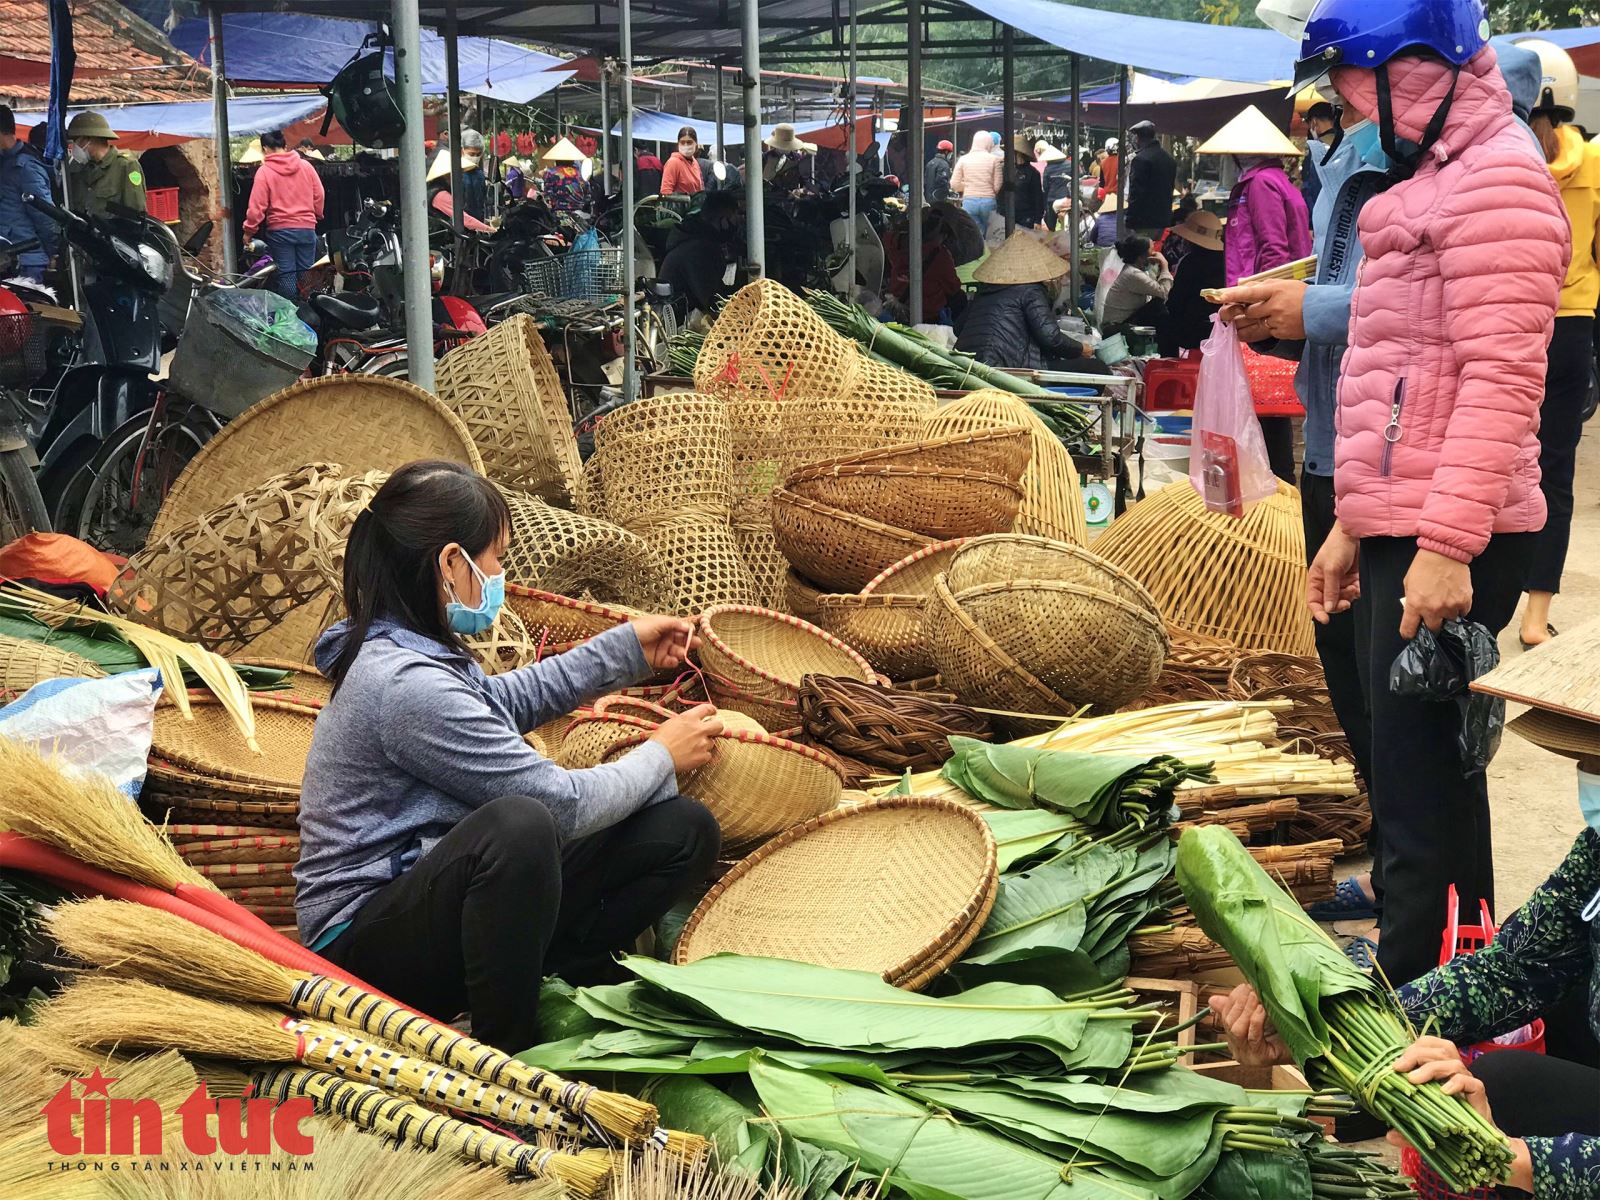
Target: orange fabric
57, 558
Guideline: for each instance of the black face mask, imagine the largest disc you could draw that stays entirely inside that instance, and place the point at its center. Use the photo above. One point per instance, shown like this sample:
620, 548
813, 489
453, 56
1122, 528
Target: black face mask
1406, 156
1338, 134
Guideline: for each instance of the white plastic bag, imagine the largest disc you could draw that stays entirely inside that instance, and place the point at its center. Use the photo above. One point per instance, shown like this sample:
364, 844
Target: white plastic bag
100, 725
1228, 462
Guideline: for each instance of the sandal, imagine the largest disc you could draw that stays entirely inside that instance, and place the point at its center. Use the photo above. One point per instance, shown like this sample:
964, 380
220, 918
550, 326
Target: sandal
1527, 645
1363, 951
1349, 903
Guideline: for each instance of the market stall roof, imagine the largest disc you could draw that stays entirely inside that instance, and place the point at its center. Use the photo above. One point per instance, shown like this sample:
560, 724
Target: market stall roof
278, 49
120, 58
145, 126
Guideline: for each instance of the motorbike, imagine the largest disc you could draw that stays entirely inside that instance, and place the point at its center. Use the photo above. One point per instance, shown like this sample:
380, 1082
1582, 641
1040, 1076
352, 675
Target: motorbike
22, 362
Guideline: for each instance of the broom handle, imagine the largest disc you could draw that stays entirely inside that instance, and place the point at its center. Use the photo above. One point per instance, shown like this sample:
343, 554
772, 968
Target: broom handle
24, 854
221, 907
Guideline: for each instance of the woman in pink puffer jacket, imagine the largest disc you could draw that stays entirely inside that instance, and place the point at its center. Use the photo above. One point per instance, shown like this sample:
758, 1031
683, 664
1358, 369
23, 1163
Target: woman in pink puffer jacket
1436, 463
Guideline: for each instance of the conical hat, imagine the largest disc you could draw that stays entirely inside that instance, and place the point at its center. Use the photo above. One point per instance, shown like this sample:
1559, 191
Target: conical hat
1561, 676
1566, 736
441, 166
563, 151
1022, 258
1251, 133
252, 153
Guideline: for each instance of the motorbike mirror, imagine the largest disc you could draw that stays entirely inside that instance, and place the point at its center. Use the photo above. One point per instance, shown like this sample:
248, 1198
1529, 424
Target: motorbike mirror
199, 238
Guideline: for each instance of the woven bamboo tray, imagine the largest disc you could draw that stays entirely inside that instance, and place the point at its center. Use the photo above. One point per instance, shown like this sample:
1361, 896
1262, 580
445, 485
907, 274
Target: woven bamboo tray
24, 662
894, 887
914, 574
1238, 579
209, 745
754, 660
504, 387
834, 548
553, 550
363, 422
885, 728
1002, 557
979, 671
305, 684
1052, 502
1086, 645
665, 455
165, 807
766, 341
940, 503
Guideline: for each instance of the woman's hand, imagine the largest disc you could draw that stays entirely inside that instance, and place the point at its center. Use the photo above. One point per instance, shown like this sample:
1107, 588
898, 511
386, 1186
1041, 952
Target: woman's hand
690, 737
1252, 1040
1333, 581
1437, 589
1271, 308
1434, 1060
666, 641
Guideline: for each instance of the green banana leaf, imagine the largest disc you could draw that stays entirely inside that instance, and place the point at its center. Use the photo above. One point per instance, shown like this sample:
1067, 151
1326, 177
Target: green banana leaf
571, 1055
1292, 963
743, 1144
1255, 1175
1088, 786
1042, 909
1020, 834
1064, 972
560, 1016
101, 646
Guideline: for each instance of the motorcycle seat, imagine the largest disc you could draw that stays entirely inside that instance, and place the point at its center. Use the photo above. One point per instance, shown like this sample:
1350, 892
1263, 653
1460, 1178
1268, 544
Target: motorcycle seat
354, 311
658, 289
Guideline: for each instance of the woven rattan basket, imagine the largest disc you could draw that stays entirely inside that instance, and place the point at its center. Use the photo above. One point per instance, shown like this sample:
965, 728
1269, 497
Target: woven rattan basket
890, 887
700, 564
802, 595
558, 621
24, 662
363, 422
754, 660
553, 550
766, 341
230, 575
1238, 579
818, 427
977, 669
834, 548
939, 503
504, 387
914, 574
883, 727
884, 383
1004, 451
1002, 557
1052, 502
664, 456
209, 745
1086, 645
885, 629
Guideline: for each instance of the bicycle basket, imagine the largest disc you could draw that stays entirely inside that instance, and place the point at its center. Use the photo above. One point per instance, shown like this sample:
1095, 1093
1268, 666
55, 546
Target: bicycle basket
21, 349
591, 274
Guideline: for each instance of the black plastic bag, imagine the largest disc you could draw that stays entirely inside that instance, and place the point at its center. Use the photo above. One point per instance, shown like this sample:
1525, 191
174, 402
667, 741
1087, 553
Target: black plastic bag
1439, 666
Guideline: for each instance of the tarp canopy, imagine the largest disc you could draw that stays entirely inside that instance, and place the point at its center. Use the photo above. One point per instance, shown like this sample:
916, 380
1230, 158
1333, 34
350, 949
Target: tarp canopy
293, 50
147, 126
663, 127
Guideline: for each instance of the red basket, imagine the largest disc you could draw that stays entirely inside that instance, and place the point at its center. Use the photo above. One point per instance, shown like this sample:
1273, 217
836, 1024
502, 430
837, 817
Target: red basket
162, 204
1272, 384
1169, 383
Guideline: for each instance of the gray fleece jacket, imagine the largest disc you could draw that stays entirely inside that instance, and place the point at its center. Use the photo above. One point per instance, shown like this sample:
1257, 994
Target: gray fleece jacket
417, 736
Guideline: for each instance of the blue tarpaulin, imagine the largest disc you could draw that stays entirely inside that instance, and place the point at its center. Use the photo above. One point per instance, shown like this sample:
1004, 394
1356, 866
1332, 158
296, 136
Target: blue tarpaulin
290, 50
248, 116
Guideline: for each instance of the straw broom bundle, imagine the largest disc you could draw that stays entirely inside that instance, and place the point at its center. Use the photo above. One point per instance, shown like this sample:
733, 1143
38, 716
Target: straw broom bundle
162, 948
113, 1012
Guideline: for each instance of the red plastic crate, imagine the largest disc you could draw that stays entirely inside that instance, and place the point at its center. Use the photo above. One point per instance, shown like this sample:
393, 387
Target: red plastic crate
1169, 383
162, 204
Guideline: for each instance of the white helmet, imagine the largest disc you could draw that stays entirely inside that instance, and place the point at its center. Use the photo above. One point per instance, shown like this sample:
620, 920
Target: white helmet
1288, 17
1558, 87
1113, 146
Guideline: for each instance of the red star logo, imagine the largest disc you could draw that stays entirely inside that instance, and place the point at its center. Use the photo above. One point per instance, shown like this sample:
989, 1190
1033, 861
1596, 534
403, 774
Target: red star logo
97, 1083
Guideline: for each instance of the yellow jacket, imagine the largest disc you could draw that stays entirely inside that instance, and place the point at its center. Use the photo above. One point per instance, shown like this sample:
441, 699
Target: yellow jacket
1577, 172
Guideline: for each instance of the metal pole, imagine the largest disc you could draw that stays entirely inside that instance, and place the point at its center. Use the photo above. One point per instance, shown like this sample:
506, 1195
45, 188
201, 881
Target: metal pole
219, 136
850, 153
556, 99
1008, 124
755, 219
605, 127
630, 272
914, 145
722, 118
1076, 168
1122, 152
452, 104
413, 193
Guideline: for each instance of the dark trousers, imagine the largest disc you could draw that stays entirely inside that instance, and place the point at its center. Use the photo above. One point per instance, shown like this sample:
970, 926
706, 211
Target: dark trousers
293, 251
500, 902
1433, 816
1560, 428
1537, 1095
1336, 647
1278, 432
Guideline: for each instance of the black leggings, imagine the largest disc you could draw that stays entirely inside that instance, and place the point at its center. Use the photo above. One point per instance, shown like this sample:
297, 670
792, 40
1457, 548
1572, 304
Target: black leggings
1560, 429
500, 900
1534, 1095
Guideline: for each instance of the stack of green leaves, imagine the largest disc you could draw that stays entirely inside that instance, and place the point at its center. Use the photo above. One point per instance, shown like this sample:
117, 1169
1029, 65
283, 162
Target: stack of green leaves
1342, 1027
22, 897
1102, 790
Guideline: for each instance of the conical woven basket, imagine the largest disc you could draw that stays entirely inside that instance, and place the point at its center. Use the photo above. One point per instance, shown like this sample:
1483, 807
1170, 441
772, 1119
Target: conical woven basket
766, 341
1002, 557
754, 660
1052, 501
940, 503
814, 428
889, 887
664, 456
1238, 579
914, 574
881, 382
765, 562
977, 669
884, 628
363, 422
209, 745
558, 621
699, 562
1003, 451
553, 550
504, 387
834, 548
24, 662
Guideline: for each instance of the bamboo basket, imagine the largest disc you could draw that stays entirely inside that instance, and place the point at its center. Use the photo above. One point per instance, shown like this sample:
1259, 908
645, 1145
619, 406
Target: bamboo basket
803, 596
589, 497
767, 342
229, 576
24, 662
1002, 557
557, 621
504, 387
700, 563
364, 422
1238, 579
890, 730
885, 383
914, 574
940, 503
208, 746
553, 550
754, 660
834, 548
1052, 502
828, 425
977, 669
1005, 451
663, 456
762, 558
894, 887
885, 629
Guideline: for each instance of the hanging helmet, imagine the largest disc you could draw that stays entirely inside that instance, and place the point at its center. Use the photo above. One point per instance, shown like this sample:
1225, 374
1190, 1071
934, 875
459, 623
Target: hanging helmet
1368, 33
1558, 85
362, 97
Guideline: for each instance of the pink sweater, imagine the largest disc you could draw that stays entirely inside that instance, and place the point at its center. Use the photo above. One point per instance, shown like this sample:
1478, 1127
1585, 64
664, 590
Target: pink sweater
286, 194
977, 175
1438, 409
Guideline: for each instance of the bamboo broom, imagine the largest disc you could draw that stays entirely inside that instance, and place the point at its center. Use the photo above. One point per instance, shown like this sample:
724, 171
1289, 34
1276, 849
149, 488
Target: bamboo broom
117, 1012
161, 948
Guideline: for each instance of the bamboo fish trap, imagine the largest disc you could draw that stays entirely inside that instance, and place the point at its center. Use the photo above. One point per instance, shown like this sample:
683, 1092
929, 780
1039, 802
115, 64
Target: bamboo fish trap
1239, 579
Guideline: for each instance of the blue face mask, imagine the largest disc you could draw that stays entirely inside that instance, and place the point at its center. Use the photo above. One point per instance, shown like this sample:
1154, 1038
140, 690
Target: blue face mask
470, 621
1366, 141
1589, 798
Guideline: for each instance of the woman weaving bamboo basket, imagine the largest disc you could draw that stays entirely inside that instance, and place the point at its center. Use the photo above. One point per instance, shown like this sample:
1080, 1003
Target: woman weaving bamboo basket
443, 859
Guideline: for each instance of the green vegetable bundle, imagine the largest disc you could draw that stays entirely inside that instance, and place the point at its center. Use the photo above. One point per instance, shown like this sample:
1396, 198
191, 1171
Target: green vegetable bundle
1340, 1025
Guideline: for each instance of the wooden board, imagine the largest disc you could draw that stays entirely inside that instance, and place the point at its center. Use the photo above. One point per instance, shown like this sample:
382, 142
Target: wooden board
1562, 675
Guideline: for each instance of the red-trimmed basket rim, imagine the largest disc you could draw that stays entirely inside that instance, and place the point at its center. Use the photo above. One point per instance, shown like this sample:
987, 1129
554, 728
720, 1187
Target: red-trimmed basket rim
926, 552
710, 634
748, 736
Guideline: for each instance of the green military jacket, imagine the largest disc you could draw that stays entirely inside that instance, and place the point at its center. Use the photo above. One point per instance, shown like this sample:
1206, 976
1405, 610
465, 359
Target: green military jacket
115, 179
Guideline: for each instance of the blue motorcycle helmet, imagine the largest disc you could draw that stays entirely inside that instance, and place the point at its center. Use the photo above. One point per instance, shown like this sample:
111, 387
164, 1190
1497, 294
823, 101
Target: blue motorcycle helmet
1368, 34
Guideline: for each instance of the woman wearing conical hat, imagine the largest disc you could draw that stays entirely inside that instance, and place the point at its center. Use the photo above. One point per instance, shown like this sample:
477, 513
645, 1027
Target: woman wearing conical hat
1010, 321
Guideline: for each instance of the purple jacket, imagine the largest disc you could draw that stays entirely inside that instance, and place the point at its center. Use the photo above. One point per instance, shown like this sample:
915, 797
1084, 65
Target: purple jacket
1267, 222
